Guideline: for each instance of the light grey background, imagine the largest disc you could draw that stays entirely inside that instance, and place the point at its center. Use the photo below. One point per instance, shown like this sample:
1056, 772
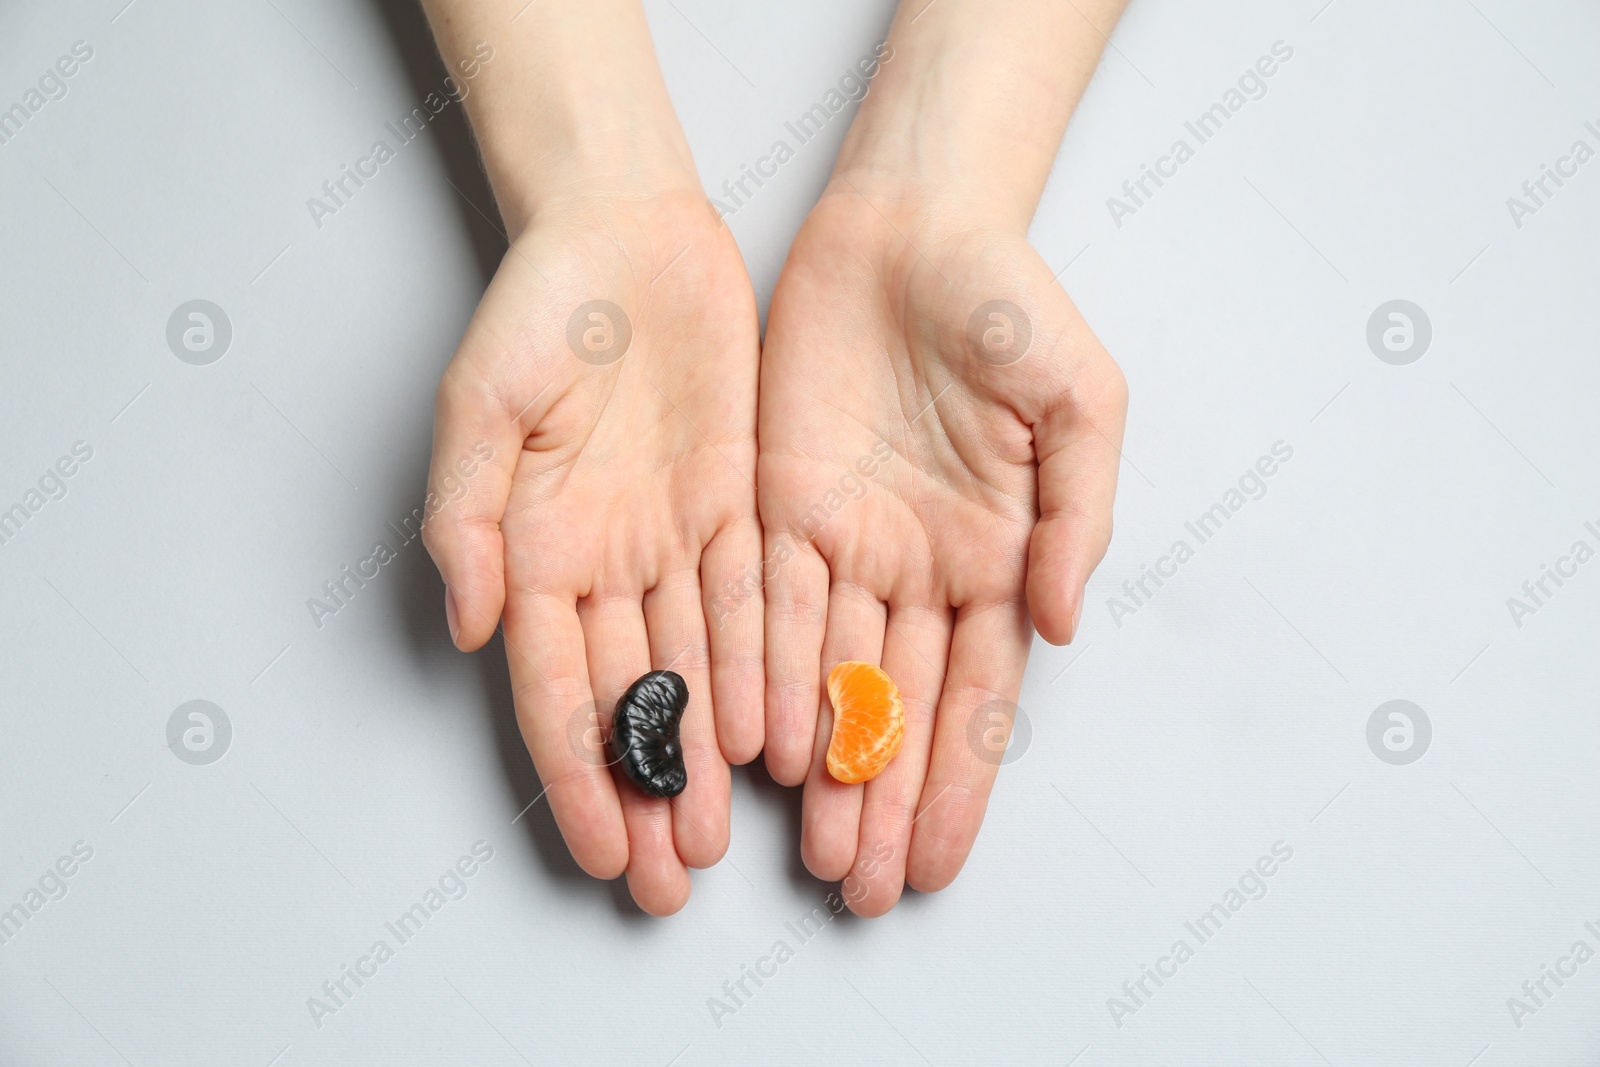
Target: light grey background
1168, 752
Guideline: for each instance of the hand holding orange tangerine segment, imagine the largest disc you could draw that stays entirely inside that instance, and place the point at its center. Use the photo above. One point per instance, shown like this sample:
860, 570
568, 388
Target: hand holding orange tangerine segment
869, 721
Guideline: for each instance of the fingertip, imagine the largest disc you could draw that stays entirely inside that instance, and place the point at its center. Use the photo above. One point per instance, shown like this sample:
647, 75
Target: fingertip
606, 860
744, 742
704, 853
700, 830
659, 893
786, 767
827, 845
738, 684
878, 898
471, 563
452, 616
731, 567
1055, 613
930, 869
943, 839
874, 906
796, 611
476, 617
779, 771
826, 859
742, 712
1062, 553
930, 879
790, 725
592, 825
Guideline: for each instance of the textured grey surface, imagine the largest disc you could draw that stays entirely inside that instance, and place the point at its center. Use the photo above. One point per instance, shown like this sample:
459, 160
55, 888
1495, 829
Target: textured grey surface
1171, 748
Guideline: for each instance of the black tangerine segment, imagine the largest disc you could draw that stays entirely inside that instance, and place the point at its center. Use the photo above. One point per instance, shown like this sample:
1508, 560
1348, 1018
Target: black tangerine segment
644, 733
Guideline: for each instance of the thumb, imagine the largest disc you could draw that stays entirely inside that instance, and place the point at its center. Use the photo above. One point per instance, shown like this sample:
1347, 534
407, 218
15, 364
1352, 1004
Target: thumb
475, 448
1078, 447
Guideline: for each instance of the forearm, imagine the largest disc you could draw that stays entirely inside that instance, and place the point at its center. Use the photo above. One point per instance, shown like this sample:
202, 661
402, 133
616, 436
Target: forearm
571, 102
969, 112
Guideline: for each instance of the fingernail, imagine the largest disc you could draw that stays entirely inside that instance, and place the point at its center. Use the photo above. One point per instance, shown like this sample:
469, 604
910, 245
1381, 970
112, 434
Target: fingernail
1077, 613
451, 616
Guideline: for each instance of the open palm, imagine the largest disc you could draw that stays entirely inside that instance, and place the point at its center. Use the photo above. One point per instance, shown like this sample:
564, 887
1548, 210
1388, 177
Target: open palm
610, 373
940, 436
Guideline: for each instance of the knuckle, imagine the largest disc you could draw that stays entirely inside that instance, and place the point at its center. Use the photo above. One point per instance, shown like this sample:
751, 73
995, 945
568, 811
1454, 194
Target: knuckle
793, 696
920, 711
691, 656
456, 388
1098, 386
435, 536
534, 696
791, 606
1115, 387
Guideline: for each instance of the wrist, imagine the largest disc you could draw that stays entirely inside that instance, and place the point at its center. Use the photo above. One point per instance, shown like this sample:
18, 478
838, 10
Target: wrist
538, 167
931, 201
566, 101
961, 164
967, 110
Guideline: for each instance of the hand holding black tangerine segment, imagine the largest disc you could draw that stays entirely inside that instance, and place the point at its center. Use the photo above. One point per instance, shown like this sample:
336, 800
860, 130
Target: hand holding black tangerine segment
866, 722
616, 370
619, 494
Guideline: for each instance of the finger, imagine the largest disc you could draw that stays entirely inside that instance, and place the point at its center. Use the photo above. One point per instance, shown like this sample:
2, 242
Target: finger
675, 617
618, 653
796, 610
657, 877
830, 811
730, 570
1078, 444
988, 651
916, 649
549, 682
476, 443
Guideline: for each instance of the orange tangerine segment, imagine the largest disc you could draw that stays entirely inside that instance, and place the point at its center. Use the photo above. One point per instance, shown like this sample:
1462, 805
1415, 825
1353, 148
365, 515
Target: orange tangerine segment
869, 721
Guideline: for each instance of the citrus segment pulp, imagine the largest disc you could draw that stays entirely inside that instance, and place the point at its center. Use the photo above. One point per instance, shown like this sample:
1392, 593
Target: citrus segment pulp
869, 721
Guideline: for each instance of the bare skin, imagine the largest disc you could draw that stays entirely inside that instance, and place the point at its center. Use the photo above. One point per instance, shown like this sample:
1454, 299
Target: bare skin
615, 528
1006, 431
623, 482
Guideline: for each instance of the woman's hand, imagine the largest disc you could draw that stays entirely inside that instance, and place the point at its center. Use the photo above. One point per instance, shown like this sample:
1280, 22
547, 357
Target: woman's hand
1002, 417
913, 327
609, 376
